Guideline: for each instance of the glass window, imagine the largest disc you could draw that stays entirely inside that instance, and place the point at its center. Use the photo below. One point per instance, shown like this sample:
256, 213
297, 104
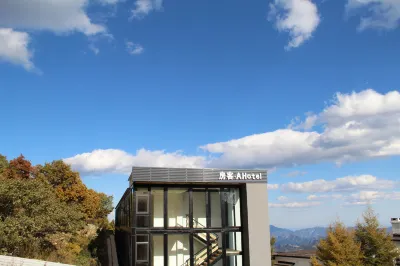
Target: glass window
158, 250
142, 203
178, 250
234, 248
178, 207
232, 199
215, 205
142, 248
199, 209
158, 206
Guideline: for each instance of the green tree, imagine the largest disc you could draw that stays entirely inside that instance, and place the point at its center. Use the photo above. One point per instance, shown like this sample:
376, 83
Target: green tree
376, 244
3, 163
32, 218
338, 249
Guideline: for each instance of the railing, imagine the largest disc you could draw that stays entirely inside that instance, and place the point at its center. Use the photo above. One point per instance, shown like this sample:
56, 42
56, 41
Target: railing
202, 254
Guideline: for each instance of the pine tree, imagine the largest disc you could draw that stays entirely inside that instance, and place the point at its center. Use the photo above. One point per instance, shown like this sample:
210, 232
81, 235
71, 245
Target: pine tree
376, 244
338, 249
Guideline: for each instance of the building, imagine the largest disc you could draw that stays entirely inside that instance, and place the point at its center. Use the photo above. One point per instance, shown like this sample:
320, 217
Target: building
396, 234
294, 258
193, 217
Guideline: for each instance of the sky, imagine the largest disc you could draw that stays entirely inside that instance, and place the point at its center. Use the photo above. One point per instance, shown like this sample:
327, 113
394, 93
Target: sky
308, 89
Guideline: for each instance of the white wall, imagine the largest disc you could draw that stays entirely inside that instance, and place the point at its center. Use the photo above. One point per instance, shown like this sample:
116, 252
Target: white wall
297, 261
258, 224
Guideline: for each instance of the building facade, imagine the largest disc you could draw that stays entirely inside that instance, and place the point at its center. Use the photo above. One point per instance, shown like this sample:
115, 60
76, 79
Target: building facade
193, 217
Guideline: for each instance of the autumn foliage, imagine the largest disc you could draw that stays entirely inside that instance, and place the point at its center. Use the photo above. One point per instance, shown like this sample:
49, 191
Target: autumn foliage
46, 212
366, 245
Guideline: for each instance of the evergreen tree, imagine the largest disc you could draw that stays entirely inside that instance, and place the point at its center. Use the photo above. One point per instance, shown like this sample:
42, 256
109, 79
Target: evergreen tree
338, 249
376, 244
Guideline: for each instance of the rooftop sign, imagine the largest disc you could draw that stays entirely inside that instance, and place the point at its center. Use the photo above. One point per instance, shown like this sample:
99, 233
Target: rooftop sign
187, 175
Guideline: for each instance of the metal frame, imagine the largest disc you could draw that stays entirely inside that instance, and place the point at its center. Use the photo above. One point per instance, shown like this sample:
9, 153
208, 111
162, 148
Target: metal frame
190, 231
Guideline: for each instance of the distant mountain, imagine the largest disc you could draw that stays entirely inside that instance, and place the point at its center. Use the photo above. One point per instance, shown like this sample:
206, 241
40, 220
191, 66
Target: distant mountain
303, 239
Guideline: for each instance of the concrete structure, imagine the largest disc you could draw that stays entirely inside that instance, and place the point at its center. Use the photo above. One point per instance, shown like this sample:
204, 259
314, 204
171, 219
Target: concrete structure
11, 261
295, 258
396, 234
193, 217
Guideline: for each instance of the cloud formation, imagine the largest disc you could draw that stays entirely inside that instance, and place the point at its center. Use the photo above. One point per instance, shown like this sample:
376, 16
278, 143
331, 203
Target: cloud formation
347, 183
371, 196
144, 7
294, 204
381, 14
134, 48
117, 161
299, 18
18, 17
355, 126
14, 48
58, 16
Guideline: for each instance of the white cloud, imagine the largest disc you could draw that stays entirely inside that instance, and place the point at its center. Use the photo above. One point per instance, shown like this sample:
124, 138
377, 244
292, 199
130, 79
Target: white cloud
354, 126
381, 14
298, 17
370, 196
322, 197
117, 161
61, 16
347, 183
94, 49
295, 173
14, 48
109, 2
294, 204
144, 7
283, 198
272, 186
134, 48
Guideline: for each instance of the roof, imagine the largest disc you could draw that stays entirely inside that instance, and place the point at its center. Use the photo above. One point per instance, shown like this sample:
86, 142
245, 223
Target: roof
307, 254
396, 238
202, 175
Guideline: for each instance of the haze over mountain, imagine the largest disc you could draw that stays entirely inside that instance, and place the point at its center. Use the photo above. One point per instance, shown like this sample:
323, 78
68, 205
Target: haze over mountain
302, 239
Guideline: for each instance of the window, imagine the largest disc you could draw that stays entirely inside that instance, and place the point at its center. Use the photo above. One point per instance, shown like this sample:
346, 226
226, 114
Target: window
142, 203
178, 207
142, 248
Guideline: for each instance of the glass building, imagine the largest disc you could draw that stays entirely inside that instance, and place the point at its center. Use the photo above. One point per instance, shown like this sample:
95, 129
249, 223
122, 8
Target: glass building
193, 217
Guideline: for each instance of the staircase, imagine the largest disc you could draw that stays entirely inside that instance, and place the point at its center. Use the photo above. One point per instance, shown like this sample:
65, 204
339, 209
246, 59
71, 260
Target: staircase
201, 258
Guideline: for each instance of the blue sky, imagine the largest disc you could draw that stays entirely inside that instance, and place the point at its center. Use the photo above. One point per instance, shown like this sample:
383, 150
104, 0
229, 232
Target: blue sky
306, 89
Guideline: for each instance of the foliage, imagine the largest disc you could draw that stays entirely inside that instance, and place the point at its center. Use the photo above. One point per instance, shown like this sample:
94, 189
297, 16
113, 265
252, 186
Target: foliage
19, 168
272, 243
3, 163
338, 249
376, 244
46, 212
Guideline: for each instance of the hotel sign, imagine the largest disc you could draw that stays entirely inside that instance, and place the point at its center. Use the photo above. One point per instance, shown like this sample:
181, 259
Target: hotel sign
239, 176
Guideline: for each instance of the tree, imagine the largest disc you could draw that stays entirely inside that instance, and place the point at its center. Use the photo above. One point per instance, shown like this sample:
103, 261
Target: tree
3, 163
376, 244
18, 168
31, 216
70, 189
338, 249
272, 243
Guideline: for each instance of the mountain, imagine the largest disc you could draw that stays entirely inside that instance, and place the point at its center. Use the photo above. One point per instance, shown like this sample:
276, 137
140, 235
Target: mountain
303, 239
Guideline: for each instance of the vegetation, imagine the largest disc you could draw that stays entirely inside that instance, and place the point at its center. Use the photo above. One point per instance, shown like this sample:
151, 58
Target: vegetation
367, 245
46, 212
376, 243
339, 248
